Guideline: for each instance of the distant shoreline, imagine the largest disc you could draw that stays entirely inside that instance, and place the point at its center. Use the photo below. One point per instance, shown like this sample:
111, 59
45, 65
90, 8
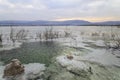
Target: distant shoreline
59, 23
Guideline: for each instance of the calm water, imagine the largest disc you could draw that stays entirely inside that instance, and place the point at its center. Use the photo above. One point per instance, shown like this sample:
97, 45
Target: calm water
33, 52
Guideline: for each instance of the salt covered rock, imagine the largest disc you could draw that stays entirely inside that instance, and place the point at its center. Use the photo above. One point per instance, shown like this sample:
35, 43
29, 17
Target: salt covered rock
73, 66
14, 70
65, 62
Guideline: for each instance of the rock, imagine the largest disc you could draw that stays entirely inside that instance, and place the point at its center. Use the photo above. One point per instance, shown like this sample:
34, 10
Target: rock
14, 70
70, 57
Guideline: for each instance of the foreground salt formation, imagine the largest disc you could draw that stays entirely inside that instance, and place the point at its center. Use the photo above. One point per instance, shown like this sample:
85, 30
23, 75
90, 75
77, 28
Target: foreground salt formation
67, 68
76, 67
34, 71
16, 71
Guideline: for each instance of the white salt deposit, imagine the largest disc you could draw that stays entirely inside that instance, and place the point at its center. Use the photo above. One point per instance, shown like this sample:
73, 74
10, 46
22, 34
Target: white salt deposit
99, 43
10, 45
70, 64
34, 68
102, 56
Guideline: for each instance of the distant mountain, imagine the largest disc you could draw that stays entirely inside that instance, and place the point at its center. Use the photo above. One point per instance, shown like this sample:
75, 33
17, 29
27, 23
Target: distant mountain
57, 23
107, 23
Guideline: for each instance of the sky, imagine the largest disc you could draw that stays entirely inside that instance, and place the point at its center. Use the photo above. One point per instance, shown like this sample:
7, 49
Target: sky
59, 10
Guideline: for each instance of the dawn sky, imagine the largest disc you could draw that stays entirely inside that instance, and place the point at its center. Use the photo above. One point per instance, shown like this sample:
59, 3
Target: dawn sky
90, 10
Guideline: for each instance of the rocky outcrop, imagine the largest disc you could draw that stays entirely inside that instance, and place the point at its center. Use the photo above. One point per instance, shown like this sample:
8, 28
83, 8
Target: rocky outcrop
14, 70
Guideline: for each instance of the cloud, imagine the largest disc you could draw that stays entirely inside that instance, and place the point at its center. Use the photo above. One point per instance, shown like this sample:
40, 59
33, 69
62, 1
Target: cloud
59, 9
5, 3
